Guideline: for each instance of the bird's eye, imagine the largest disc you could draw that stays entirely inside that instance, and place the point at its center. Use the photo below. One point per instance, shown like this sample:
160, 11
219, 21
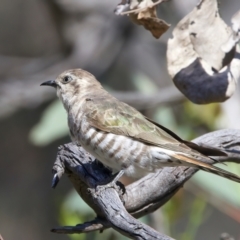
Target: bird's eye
67, 79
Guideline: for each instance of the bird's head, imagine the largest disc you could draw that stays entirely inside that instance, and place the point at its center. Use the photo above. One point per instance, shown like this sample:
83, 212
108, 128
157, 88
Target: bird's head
72, 84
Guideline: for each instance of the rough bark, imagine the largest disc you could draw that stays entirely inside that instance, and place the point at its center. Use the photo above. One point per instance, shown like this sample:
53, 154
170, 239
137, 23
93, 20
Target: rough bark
144, 196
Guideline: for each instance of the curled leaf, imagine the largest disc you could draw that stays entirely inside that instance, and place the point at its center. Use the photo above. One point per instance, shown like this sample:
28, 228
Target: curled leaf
203, 58
144, 13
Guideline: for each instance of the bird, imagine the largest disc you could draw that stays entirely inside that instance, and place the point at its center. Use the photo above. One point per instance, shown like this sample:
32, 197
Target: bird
122, 138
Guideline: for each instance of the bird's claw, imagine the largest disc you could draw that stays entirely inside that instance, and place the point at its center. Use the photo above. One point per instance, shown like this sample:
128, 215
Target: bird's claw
55, 180
58, 172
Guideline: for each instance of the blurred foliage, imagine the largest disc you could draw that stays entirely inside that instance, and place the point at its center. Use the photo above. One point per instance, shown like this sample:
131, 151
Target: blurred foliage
195, 120
220, 188
199, 119
202, 114
143, 83
52, 125
188, 121
74, 211
196, 218
175, 210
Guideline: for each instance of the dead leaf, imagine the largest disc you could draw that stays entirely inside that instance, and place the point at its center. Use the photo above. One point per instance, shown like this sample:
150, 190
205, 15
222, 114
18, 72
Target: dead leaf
145, 14
148, 18
203, 58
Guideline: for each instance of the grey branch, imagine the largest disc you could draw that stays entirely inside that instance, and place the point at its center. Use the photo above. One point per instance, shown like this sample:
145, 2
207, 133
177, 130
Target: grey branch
164, 96
144, 196
17, 95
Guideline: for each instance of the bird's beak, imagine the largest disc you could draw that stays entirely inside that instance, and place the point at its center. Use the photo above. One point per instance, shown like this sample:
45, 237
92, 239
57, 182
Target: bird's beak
51, 83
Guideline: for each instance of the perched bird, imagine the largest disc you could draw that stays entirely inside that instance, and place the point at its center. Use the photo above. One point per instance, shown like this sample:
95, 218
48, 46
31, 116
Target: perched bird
121, 137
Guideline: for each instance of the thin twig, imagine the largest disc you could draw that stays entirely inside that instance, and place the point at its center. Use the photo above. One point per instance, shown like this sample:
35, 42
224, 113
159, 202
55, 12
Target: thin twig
144, 8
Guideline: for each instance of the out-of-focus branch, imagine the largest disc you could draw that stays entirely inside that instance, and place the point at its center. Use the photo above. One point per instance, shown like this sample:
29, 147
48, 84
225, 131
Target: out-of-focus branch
18, 94
141, 197
97, 224
226, 236
167, 95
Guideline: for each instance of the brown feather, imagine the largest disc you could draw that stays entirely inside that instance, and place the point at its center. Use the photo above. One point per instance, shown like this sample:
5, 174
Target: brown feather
187, 160
205, 150
105, 113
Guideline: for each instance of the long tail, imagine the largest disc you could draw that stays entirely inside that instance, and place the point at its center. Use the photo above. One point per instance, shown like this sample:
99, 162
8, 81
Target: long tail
186, 160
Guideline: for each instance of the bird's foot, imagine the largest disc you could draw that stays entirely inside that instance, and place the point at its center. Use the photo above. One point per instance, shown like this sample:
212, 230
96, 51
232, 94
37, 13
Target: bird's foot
58, 170
117, 176
115, 184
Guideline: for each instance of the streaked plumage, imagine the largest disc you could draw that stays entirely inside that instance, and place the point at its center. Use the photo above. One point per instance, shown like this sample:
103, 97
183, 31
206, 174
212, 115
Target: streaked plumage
120, 136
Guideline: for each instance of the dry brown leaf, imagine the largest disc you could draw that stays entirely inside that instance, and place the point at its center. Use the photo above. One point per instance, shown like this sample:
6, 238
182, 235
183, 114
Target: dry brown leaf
155, 25
144, 13
148, 18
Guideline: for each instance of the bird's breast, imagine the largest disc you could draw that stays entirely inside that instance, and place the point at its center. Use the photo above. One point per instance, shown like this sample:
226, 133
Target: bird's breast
115, 151
121, 152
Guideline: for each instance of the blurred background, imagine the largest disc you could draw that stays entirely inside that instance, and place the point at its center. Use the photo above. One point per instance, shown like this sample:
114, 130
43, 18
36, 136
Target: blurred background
39, 40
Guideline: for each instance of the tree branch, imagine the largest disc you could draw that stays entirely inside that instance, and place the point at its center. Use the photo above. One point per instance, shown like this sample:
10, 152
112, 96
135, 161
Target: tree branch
140, 198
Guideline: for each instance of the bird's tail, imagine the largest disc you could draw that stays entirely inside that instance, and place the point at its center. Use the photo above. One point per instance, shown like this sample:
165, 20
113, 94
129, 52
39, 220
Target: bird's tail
186, 160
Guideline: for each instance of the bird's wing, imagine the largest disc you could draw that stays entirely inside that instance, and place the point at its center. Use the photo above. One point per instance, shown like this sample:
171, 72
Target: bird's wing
206, 150
110, 115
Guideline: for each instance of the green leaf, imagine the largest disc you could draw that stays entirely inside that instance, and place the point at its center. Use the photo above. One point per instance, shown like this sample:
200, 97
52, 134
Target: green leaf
52, 126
